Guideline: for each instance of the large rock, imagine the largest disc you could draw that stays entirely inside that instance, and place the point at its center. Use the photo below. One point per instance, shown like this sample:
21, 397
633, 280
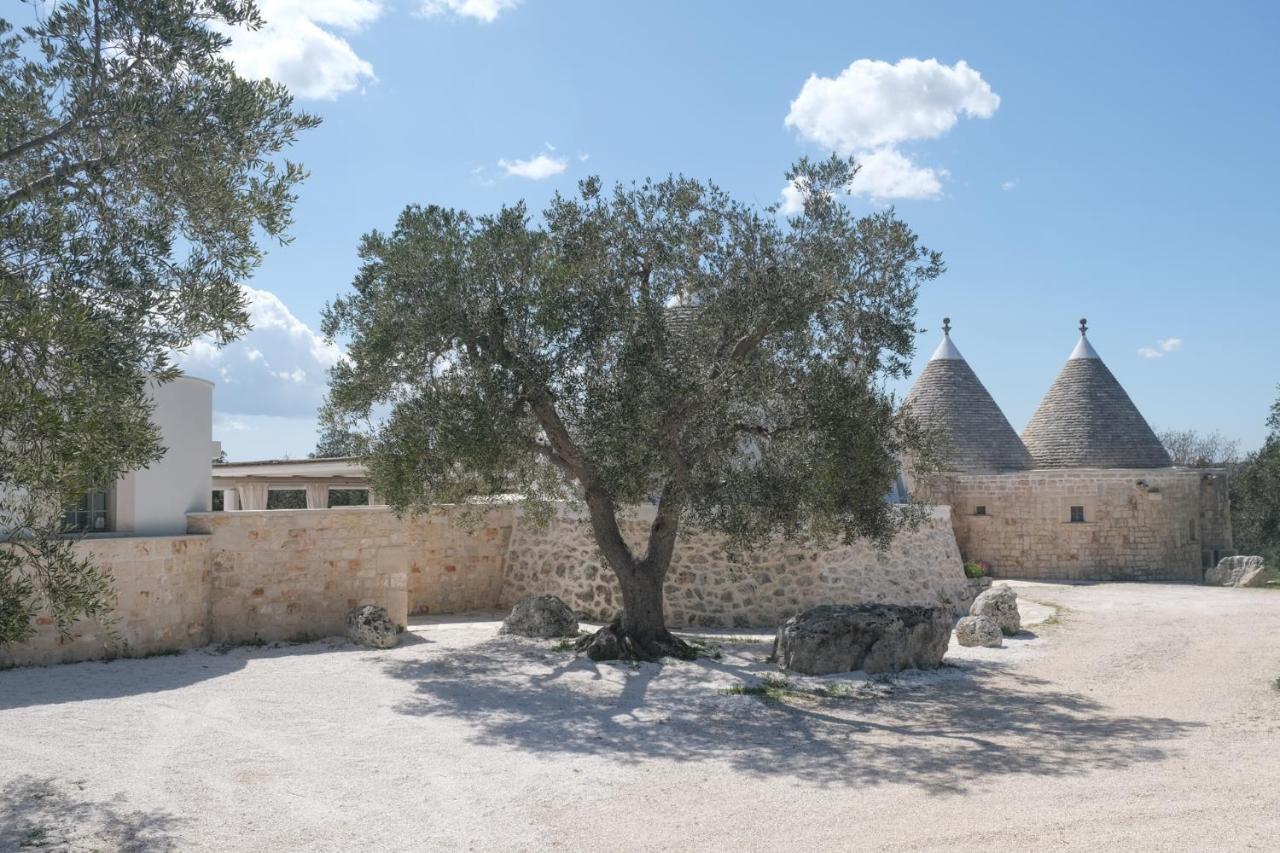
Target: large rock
870, 637
369, 625
1238, 571
541, 616
1000, 605
979, 631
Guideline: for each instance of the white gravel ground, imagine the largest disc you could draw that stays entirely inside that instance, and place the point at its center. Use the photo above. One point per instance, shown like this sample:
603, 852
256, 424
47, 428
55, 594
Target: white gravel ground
1129, 717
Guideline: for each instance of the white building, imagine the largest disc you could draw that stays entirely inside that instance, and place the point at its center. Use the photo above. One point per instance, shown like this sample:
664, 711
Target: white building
155, 500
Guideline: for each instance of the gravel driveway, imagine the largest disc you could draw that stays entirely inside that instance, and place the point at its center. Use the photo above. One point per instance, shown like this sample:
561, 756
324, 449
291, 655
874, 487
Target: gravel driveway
1129, 716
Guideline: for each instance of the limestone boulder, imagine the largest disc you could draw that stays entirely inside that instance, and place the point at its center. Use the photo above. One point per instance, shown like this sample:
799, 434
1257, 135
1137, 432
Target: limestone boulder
369, 625
870, 637
979, 631
1238, 571
1000, 605
542, 616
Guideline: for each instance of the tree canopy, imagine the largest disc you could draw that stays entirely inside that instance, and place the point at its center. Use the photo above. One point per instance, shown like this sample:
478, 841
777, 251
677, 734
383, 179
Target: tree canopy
138, 177
655, 343
1255, 497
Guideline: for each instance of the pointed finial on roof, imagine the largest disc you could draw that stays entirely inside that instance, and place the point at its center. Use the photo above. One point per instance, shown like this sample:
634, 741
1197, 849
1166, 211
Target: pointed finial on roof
1083, 349
1084, 326
946, 326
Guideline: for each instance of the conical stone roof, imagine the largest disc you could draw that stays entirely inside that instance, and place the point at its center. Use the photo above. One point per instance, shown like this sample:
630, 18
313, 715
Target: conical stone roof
950, 398
1088, 421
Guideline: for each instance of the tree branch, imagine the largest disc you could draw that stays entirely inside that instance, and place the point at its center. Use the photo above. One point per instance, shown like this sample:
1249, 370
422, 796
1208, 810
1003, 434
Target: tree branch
27, 192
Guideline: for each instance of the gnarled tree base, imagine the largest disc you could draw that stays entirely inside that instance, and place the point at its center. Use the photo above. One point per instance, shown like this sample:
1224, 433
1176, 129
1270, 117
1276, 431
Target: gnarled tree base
612, 643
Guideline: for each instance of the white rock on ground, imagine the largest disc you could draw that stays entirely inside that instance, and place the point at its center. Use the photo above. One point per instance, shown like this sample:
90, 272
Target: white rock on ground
1000, 605
979, 631
542, 616
369, 625
1238, 571
868, 637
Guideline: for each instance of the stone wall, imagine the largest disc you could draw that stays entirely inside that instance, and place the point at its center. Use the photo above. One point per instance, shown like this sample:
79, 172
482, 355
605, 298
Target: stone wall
290, 574
267, 575
1139, 524
705, 588
161, 602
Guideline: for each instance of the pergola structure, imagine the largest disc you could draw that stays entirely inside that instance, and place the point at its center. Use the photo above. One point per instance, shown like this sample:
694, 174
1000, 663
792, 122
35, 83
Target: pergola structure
247, 485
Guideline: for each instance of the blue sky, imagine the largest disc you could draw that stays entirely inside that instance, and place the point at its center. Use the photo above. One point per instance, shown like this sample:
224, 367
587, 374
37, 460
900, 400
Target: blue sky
1085, 160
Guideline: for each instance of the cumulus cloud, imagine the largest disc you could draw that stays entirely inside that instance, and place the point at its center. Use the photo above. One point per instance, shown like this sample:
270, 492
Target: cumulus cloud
486, 11
1162, 348
297, 46
535, 168
281, 367
872, 107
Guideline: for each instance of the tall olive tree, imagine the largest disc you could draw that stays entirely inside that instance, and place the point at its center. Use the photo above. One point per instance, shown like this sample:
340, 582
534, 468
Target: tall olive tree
138, 177
660, 343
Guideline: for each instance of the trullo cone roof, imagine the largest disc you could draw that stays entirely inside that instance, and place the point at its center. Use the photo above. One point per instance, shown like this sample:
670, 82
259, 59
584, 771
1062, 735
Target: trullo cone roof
949, 397
1088, 421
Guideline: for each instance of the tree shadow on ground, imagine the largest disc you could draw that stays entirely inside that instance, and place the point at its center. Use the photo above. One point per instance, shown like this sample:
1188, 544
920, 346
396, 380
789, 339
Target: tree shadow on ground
943, 732
40, 814
22, 687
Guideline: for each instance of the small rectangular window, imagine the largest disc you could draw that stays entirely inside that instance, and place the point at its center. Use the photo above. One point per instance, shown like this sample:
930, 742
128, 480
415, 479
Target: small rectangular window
979, 510
1077, 515
286, 499
88, 515
1191, 529
348, 497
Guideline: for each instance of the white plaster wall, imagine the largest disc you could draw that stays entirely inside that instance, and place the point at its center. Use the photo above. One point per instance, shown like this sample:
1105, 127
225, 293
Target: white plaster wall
155, 501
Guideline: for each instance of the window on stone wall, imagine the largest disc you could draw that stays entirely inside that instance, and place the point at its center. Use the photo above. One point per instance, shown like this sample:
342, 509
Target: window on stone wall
287, 499
980, 510
348, 497
1077, 515
1191, 529
216, 502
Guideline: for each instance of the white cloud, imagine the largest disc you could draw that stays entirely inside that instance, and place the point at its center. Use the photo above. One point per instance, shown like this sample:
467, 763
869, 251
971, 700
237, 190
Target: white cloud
486, 11
792, 203
1162, 348
297, 46
535, 168
278, 368
872, 106
1009, 185
886, 173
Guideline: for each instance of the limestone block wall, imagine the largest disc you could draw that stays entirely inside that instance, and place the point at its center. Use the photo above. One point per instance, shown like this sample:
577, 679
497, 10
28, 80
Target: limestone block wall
160, 586
1139, 524
291, 574
705, 588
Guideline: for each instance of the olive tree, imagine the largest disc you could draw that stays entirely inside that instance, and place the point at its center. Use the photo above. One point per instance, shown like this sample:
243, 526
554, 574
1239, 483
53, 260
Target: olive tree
138, 177
660, 343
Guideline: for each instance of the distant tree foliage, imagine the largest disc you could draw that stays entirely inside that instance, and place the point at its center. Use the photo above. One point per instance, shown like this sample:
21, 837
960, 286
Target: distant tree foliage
1255, 497
1194, 449
655, 343
338, 437
138, 175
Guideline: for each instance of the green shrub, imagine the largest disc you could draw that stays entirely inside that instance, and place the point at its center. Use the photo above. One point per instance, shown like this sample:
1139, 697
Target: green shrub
973, 570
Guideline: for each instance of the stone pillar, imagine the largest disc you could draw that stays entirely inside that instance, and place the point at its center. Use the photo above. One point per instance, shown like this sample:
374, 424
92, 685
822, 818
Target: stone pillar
253, 495
317, 495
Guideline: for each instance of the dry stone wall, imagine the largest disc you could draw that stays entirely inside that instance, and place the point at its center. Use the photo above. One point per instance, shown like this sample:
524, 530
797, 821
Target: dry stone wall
1139, 524
705, 588
160, 584
291, 574
270, 575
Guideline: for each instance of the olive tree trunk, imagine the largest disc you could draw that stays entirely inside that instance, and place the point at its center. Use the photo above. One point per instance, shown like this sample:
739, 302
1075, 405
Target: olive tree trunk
640, 632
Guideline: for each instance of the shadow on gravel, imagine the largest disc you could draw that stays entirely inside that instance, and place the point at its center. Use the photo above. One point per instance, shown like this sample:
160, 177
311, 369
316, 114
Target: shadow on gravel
944, 732
37, 814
